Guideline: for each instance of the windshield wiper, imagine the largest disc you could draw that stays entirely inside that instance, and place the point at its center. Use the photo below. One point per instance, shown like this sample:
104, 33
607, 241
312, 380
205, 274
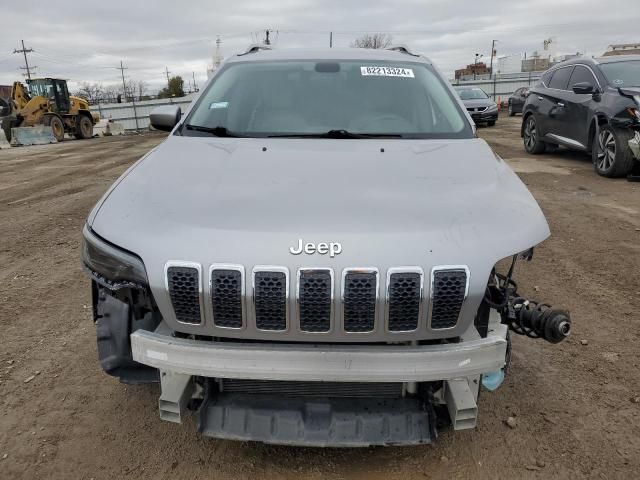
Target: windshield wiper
217, 131
336, 134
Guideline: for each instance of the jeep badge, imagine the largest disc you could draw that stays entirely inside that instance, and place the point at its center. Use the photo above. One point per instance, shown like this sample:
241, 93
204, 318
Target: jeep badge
333, 248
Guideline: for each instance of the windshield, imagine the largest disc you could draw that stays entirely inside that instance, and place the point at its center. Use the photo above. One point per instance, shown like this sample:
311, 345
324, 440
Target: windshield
308, 98
471, 93
622, 74
42, 88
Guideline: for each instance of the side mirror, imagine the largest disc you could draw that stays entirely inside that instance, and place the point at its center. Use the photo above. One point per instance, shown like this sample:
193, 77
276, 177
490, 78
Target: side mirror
583, 88
165, 117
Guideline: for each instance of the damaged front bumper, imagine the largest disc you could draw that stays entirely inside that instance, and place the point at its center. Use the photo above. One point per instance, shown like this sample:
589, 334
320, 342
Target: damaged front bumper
191, 370
321, 362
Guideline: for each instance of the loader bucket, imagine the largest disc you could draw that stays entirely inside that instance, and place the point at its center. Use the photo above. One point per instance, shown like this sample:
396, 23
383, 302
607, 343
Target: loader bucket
37, 135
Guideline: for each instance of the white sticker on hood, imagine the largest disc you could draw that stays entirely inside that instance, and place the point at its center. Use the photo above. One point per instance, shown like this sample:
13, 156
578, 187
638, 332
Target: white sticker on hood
375, 71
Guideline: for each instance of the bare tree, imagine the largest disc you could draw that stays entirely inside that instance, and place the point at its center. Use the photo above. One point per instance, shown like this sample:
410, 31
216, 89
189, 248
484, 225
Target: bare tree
91, 92
142, 88
111, 93
373, 40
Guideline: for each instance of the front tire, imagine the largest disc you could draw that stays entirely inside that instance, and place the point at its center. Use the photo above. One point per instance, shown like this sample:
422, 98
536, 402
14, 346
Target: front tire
7, 124
491, 123
611, 154
56, 125
511, 112
84, 127
531, 137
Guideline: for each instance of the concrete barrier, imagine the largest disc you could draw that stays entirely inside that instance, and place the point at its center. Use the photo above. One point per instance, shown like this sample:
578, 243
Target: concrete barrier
37, 135
3, 140
100, 127
114, 128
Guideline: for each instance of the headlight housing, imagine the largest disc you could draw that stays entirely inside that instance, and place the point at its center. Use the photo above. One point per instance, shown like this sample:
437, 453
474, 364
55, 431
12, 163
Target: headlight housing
111, 266
492, 108
635, 113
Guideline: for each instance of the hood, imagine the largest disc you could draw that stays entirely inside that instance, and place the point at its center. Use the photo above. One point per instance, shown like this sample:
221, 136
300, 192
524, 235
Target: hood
480, 102
388, 202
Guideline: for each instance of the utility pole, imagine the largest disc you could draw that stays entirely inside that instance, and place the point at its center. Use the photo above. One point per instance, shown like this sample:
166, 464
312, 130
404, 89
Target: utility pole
122, 68
24, 51
330, 39
493, 49
124, 85
195, 87
475, 64
266, 37
167, 72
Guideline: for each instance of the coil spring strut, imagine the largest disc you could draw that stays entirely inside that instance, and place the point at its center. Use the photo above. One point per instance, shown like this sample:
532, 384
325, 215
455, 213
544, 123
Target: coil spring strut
537, 320
523, 316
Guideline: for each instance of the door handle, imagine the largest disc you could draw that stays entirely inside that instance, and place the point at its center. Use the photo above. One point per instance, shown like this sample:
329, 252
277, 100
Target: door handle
560, 104
540, 98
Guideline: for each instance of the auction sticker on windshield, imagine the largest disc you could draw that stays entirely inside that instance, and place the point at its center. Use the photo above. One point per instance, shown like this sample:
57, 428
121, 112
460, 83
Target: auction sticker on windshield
375, 71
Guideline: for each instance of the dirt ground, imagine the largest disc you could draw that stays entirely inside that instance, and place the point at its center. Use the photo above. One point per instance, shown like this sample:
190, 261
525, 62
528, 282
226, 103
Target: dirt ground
576, 404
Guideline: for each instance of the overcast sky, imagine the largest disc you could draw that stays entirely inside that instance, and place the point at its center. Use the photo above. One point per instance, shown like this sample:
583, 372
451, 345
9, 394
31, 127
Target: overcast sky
85, 44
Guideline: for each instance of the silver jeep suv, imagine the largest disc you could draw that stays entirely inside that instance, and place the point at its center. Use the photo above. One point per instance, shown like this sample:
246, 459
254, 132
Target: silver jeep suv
309, 257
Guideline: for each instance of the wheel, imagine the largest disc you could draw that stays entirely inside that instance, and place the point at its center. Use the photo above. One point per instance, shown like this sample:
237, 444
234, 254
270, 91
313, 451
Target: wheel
511, 112
611, 154
56, 125
7, 124
491, 123
532, 142
84, 127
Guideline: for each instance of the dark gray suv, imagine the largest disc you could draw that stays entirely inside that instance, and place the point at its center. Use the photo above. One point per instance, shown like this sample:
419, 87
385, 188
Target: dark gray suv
591, 105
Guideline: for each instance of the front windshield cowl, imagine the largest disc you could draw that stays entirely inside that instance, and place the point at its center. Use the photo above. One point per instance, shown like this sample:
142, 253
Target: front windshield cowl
328, 99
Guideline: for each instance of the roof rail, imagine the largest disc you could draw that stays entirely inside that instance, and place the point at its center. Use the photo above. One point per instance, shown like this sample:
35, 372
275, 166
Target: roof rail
256, 47
402, 49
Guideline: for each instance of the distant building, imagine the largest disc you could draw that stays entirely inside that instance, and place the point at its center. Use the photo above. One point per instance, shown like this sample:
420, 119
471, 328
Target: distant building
535, 63
623, 49
5, 91
479, 68
509, 64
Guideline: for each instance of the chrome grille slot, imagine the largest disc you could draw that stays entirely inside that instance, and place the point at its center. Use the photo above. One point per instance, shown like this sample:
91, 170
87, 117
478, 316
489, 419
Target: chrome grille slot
448, 292
270, 288
404, 297
183, 284
359, 296
227, 292
315, 295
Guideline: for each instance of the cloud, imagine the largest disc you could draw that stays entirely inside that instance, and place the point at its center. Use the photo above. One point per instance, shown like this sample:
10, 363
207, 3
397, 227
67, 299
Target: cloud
87, 44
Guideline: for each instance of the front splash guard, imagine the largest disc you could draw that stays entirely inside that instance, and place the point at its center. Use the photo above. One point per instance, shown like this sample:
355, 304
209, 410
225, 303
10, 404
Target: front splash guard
316, 422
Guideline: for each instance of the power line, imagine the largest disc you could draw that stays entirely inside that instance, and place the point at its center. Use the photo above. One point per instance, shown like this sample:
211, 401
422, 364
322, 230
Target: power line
24, 51
59, 61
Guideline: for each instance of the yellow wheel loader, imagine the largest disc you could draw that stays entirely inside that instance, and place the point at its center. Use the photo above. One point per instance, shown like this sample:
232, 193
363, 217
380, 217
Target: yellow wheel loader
47, 102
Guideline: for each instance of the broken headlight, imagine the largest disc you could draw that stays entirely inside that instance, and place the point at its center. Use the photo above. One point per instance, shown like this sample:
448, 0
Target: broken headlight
111, 266
635, 113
